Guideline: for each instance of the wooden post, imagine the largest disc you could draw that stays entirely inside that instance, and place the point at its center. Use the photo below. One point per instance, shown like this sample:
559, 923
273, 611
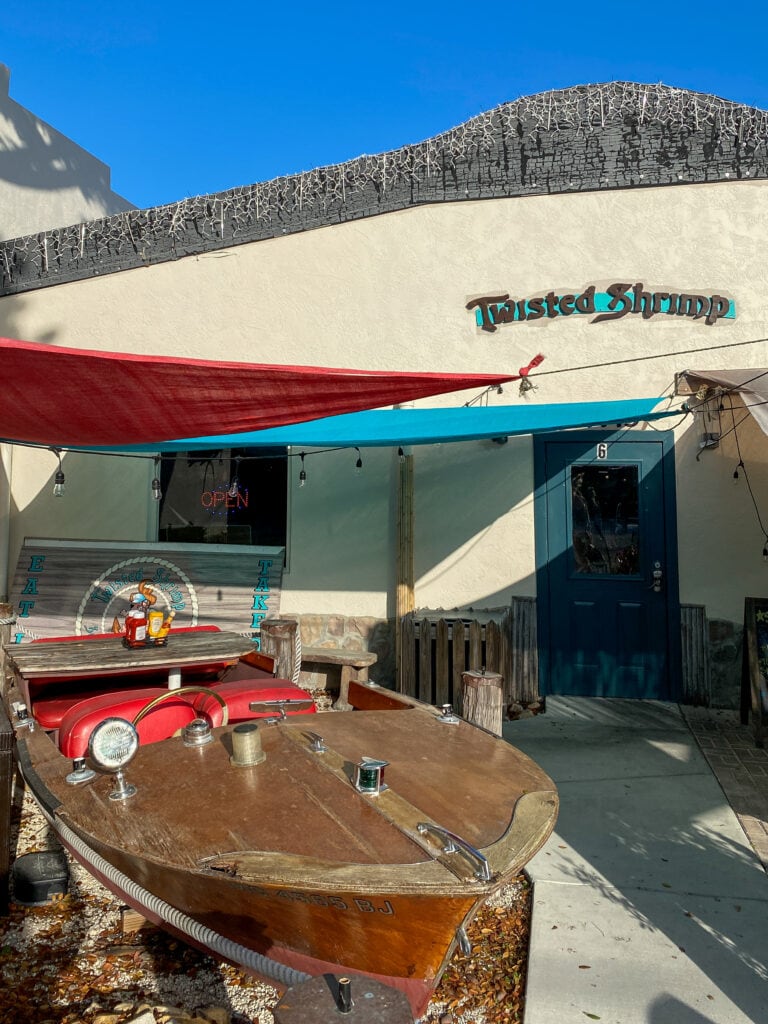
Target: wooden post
482, 699
6, 765
6, 787
404, 595
278, 640
458, 650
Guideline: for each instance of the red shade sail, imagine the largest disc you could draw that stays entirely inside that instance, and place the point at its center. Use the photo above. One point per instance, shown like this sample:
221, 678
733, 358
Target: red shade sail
66, 397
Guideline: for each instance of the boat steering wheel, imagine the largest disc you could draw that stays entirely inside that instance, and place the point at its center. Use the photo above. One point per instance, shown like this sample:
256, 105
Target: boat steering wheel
177, 693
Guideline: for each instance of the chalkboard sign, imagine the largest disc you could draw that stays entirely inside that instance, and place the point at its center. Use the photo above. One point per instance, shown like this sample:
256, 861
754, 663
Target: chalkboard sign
754, 690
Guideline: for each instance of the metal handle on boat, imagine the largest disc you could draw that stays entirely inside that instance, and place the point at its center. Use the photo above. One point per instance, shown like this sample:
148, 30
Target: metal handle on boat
279, 706
455, 844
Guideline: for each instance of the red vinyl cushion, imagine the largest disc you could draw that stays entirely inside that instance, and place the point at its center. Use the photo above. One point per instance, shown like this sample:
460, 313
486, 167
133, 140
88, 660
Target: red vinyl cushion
49, 712
174, 712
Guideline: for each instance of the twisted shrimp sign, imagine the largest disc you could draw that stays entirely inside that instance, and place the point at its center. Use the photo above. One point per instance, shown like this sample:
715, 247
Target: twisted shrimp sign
618, 300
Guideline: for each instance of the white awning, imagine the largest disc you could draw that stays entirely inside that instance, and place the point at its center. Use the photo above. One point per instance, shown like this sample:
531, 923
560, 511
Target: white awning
750, 385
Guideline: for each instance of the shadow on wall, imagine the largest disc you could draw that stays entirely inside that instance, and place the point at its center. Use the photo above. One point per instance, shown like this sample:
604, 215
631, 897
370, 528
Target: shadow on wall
35, 159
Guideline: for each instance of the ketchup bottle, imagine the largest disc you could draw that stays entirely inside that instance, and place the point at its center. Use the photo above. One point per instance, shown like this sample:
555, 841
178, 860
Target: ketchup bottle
136, 622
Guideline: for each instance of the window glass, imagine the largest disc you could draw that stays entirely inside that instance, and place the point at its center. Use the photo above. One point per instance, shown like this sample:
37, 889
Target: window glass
605, 527
227, 496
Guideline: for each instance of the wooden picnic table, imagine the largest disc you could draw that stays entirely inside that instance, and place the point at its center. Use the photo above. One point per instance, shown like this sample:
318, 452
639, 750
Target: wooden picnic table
108, 656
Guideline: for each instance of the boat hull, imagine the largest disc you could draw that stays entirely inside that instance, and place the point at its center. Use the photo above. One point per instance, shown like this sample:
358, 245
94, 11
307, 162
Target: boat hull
410, 937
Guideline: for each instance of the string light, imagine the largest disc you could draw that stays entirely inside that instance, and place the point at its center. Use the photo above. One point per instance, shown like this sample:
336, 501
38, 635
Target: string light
401, 455
359, 463
740, 465
302, 472
58, 480
156, 489
233, 487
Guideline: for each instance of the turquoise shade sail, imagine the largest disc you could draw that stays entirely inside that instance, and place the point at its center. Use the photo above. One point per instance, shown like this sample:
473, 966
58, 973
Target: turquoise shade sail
400, 427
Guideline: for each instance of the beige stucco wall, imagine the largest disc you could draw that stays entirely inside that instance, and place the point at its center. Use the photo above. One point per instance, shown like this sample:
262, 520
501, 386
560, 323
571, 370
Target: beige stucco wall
46, 180
390, 292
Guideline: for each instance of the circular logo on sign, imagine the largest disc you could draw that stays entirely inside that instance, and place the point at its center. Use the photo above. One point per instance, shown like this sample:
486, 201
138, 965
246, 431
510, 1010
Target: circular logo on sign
108, 597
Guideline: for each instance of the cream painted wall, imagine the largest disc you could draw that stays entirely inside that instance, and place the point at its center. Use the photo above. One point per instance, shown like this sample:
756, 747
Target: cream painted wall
106, 498
390, 292
720, 540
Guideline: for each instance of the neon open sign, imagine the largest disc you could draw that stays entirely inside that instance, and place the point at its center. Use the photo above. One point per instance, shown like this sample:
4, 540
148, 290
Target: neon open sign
220, 502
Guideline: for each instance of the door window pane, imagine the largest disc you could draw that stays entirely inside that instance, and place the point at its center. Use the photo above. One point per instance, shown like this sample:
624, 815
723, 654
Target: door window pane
604, 517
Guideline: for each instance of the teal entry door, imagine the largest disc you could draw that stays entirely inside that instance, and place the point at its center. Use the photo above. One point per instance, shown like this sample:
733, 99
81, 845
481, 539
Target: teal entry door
608, 611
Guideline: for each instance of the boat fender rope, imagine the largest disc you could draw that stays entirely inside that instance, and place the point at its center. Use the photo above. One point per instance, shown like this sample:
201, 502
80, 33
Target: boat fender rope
225, 948
297, 655
8, 622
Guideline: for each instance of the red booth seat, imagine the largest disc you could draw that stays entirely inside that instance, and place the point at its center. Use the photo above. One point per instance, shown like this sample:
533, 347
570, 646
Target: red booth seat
51, 698
174, 712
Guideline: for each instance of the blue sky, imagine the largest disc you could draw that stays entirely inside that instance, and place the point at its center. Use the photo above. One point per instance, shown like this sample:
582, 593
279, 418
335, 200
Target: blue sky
186, 99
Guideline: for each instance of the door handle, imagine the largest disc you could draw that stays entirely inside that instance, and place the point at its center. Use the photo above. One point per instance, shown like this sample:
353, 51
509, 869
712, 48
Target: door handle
657, 576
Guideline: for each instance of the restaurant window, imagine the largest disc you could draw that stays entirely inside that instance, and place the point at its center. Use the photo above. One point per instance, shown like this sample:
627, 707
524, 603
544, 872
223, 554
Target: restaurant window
226, 496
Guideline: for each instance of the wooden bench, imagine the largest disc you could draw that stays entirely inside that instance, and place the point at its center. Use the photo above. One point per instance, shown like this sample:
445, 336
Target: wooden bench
354, 665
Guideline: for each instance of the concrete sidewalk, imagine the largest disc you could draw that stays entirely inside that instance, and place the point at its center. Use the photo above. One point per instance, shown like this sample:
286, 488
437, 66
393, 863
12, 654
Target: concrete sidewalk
650, 903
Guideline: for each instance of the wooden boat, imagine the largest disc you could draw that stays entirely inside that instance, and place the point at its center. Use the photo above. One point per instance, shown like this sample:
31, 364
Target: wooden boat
295, 858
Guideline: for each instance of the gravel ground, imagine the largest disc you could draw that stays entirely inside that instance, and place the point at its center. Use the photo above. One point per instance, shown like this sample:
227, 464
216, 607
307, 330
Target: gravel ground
71, 962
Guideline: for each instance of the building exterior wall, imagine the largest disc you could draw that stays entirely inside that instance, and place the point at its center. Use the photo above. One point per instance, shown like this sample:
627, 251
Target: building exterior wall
389, 293
387, 287
46, 180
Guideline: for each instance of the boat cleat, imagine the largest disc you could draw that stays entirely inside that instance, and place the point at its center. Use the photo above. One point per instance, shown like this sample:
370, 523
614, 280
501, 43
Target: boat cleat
80, 773
447, 715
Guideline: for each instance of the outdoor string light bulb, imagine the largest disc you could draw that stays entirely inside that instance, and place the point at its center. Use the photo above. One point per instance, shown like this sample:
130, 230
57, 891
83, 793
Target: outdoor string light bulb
156, 490
401, 454
736, 471
302, 472
58, 480
232, 491
359, 463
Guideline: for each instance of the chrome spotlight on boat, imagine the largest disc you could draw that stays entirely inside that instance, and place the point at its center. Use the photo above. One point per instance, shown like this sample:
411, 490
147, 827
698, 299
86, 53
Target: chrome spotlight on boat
112, 745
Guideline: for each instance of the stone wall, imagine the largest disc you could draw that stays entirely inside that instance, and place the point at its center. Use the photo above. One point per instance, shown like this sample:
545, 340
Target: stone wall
358, 633
588, 138
725, 662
